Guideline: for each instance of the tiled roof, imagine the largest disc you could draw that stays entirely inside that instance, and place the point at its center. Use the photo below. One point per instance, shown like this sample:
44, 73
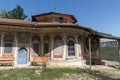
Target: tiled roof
4, 20
75, 20
26, 23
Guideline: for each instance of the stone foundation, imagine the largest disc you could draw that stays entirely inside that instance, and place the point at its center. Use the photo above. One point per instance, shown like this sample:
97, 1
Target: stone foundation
65, 64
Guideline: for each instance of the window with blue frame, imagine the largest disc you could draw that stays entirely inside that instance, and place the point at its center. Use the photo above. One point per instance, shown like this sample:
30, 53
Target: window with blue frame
71, 49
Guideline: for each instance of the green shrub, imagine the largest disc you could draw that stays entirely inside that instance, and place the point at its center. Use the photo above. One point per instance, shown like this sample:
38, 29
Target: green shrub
110, 53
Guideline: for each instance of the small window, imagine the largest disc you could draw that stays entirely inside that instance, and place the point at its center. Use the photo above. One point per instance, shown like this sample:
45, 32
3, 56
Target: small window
36, 45
36, 48
46, 45
46, 48
8, 47
60, 20
71, 50
58, 45
8, 43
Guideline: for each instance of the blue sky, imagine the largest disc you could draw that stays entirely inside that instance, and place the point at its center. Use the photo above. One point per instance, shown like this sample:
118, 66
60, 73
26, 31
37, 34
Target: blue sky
100, 15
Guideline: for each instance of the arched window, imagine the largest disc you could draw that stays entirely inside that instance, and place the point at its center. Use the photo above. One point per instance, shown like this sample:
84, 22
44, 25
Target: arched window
8, 44
36, 45
57, 45
71, 49
46, 45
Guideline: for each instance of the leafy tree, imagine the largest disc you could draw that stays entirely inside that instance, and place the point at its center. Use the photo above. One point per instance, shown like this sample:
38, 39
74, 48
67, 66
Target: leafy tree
16, 13
3, 14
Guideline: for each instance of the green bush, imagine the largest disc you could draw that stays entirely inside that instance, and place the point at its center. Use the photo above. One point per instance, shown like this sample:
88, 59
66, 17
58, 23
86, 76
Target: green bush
110, 53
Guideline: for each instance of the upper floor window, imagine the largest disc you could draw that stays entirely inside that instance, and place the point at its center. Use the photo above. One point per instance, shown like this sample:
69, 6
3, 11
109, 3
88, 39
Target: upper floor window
60, 20
8, 44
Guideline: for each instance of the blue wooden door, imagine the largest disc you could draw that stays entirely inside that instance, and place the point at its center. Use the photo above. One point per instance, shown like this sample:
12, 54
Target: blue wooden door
22, 56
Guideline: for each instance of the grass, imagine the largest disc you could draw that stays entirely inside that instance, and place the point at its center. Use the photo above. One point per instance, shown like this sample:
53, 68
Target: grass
59, 74
110, 53
18, 74
56, 73
30, 74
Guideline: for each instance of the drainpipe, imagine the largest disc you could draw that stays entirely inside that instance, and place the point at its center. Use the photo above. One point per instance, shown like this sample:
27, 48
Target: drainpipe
89, 41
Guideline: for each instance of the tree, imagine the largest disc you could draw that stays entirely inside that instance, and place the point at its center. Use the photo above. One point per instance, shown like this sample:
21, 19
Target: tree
3, 14
16, 13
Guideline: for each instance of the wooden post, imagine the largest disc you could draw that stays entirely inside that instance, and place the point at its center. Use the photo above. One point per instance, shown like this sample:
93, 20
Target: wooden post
64, 46
119, 50
51, 45
90, 52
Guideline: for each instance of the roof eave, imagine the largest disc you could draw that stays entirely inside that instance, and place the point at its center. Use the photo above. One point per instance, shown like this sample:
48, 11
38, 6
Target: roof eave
93, 32
104, 35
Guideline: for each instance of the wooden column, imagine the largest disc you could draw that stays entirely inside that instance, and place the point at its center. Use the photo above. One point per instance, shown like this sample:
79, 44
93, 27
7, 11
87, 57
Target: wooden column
30, 46
42, 46
76, 47
51, 45
16, 50
119, 50
1, 44
64, 46
90, 52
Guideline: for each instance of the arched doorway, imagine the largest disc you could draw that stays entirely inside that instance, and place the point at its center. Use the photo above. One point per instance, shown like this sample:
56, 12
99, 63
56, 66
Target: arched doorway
22, 56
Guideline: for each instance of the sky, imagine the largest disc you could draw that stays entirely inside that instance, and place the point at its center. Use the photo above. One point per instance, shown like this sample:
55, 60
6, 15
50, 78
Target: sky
100, 15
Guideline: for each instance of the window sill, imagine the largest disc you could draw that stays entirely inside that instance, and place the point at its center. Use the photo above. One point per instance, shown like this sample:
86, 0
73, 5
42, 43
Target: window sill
7, 54
71, 57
